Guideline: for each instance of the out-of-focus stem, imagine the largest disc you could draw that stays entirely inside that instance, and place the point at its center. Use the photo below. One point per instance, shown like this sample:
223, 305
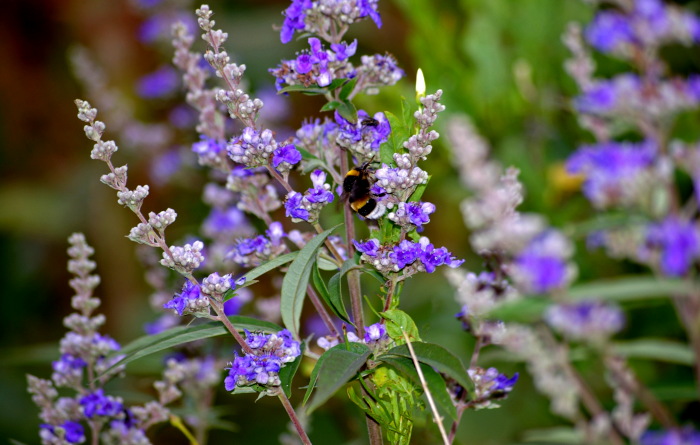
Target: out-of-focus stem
293, 417
322, 311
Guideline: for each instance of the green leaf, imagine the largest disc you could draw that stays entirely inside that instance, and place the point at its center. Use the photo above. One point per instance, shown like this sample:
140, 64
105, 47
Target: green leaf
434, 381
325, 264
676, 392
437, 357
336, 83
374, 274
604, 222
556, 435
272, 264
287, 372
330, 106
632, 288
348, 88
151, 344
334, 369
295, 281
522, 310
335, 289
348, 111
399, 322
418, 192
656, 349
309, 91
396, 139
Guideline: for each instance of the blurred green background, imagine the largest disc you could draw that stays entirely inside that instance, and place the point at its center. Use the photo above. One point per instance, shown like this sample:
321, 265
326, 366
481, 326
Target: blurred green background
499, 61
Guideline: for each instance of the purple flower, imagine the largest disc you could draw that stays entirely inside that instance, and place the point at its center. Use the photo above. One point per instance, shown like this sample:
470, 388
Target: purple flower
600, 98
207, 146
158, 84
540, 266
190, 291
369, 247
275, 232
288, 154
73, 431
292, 206
432, 257
255, 340
585, 319
609, 168
161, 324
97, 404
320, 193
68, 363
504, 384
685, 436
368, 136
609, 30
375, 332
344, 51
405, 253
294, 17
678, 242
225, 222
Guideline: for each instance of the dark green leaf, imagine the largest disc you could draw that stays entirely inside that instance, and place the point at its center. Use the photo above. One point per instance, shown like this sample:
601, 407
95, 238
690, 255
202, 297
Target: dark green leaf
334, 369
418, 192
676, 392
348, 111
335, 289
295, 281
289, 370
347, 88
151, 344
399, 322
336, 83
374, 274
437, 357
330, 106
656, 349
434, 381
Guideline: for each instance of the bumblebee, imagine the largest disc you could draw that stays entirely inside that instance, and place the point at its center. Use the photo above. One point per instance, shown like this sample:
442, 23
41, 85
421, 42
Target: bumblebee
356, 187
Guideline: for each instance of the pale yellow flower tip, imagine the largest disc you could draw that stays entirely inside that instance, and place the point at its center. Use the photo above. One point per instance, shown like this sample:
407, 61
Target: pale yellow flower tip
420, 84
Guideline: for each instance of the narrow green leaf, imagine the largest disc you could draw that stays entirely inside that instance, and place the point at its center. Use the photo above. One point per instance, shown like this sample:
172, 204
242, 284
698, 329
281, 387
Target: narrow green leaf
151, 344
336, 83
434, 381
656, 349
399, 322
310, 90
272, 264
348, 88
555, 435
374, 274
320, 286
335, 289
632, 288
394, 144
330, 106
339, 366
348, 111
289, 370
418, 192
437, 357
295, 281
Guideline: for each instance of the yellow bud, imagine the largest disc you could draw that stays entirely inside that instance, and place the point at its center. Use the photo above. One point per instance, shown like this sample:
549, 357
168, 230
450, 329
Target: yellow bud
420, 84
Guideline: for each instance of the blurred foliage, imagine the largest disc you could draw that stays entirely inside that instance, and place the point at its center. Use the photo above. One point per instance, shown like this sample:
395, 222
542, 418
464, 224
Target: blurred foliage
499, 61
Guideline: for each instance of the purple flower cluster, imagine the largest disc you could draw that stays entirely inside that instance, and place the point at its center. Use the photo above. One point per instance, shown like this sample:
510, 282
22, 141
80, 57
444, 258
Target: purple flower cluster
270, 353
363, 138
285, 157
612, 170
685, 436
541, 266
97, 404
316, 66
190, 299
225, 223
406, 256
585, 320
678, 243
308, 206
490, 385
252, 148
628, 96
69, 431
318, 17
249, 252
646, 23
412, 214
